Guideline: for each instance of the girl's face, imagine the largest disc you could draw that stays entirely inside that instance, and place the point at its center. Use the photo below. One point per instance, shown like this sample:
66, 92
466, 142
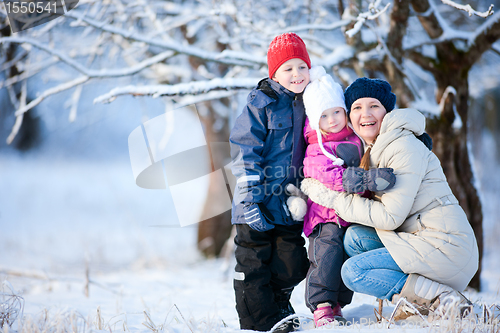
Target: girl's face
333, 120
366, 117
293, 75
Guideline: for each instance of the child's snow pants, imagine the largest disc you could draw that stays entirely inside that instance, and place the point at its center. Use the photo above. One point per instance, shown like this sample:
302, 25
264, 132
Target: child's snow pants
268, 266
326, 255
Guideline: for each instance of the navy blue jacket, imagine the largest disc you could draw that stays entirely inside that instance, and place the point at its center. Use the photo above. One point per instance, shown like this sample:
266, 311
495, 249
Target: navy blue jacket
267, 149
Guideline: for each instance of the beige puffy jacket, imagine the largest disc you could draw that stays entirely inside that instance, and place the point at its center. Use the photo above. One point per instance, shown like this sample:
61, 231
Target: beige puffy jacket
419, 219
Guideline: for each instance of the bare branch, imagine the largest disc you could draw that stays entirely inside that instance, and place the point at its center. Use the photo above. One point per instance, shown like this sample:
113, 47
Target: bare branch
19, 118
49, 92
371, 14
12, 62
484, 37
426, 63
495, 49
210, 96
74, 103
34, 69
469, 9
411, 85
89, 72
192, 88
430, 18
317, 27
249, 60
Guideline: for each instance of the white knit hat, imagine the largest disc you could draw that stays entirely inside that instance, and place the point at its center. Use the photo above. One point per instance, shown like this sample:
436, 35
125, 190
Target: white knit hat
322, 93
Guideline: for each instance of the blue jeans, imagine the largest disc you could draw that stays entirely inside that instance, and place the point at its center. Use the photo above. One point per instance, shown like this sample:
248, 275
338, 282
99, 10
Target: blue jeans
371, 269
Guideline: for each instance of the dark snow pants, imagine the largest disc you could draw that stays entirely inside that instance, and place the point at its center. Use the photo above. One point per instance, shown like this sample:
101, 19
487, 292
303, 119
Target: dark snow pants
268, 266
326, 255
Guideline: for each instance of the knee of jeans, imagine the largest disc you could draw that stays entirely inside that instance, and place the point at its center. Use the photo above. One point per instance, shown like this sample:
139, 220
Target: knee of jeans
348, 272
351, 247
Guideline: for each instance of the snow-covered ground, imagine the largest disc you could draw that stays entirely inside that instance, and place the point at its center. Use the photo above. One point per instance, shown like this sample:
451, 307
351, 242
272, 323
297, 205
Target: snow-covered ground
66, 208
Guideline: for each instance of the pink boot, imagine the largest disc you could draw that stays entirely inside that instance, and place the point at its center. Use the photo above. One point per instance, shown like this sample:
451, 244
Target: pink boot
323, 316
337, 314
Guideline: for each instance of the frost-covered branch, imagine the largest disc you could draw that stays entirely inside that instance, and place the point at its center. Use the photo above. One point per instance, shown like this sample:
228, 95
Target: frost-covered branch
191, 88
485, 35
14, 61
49, 92
20, 117
104, 73
249, 61
371, 14
316, 27
27, 73
411, 85
449, 90
469, 9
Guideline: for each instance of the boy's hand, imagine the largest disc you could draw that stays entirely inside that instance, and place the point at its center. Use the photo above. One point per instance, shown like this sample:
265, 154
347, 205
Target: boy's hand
256, 216
357, 180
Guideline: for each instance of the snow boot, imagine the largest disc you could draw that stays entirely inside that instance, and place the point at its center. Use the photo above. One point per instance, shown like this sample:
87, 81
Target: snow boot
337, 314
425, 296
282, 299
325, 314
285, 326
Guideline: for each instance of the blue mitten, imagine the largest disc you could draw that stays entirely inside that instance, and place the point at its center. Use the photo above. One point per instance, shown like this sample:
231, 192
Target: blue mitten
357, 180
349, 153
256, 216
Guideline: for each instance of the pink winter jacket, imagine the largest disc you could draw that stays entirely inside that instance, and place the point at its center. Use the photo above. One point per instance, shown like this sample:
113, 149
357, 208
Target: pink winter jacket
320, 167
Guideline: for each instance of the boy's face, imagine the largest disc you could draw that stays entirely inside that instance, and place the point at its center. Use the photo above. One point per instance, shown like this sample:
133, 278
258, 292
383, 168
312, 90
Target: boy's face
366, 117
333, 120
293, 75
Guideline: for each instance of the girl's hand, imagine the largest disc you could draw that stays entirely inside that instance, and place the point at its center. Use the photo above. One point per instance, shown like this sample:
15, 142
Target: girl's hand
297, 202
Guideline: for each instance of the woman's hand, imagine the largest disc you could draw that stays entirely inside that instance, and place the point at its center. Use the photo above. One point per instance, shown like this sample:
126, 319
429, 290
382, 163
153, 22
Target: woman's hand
357, 180
318, 192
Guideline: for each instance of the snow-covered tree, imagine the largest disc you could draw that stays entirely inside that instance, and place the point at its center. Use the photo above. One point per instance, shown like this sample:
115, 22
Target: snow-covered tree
204, 52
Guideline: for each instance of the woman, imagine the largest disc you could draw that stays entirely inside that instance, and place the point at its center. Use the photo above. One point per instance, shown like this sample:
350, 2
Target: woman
413, 240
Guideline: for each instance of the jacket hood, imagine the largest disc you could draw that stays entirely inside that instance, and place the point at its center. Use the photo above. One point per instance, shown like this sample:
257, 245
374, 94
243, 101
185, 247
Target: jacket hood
397, 123
407, 119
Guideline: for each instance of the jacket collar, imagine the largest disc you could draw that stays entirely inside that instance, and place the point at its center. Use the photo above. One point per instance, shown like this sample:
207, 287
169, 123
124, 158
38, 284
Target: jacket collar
280, 90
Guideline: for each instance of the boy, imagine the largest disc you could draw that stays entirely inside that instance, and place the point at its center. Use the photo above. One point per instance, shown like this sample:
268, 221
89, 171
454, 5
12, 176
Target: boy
268, 151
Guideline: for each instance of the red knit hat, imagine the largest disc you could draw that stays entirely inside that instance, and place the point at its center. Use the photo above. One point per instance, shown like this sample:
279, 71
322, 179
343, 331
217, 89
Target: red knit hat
283, 48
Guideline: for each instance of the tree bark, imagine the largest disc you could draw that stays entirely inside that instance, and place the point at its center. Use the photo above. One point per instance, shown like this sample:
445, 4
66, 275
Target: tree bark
213, 232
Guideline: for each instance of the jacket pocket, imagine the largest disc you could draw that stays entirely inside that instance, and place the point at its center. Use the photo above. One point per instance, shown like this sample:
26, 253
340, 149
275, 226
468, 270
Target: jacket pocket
412, 224
280, 131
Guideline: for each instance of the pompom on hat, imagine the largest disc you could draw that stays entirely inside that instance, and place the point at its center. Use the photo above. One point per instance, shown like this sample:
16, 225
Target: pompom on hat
322, 93
283, 48
374, 88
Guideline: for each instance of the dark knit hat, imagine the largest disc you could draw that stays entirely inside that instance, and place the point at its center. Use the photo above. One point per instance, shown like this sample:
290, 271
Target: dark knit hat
283, 48
375, 88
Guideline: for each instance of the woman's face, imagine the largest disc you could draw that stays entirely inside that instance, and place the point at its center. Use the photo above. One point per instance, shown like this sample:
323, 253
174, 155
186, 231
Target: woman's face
366, 118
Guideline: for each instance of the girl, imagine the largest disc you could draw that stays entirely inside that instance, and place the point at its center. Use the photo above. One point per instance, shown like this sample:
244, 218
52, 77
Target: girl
331, 146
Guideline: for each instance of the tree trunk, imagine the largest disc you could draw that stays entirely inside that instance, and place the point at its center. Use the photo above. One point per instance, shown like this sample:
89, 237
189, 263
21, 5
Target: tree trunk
213, 232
